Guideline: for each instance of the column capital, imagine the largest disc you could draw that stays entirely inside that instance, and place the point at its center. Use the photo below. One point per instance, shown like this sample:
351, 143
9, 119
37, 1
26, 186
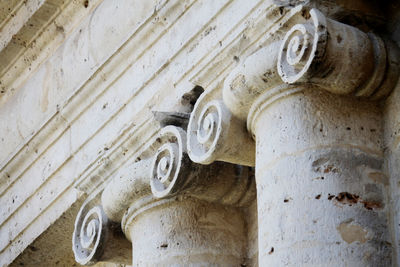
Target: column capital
169, 174
310, 49
161, 175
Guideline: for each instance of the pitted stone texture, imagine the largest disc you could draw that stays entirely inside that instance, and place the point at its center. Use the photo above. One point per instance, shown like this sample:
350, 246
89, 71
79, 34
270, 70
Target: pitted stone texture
326, 213
314, 50
307, 117
319, 173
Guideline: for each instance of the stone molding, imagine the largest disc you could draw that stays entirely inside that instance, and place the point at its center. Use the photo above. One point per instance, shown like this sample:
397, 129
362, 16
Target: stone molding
119, 129
48, 24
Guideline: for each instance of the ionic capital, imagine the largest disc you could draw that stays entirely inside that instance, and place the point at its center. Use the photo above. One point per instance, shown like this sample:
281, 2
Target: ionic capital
162, 170
161, 176
170, 174
310, 49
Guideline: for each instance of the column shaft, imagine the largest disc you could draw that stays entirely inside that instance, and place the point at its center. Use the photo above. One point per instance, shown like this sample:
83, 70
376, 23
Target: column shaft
320, 190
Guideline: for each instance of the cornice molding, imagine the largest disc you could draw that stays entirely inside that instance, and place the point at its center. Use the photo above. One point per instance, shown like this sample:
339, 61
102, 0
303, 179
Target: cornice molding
47, 26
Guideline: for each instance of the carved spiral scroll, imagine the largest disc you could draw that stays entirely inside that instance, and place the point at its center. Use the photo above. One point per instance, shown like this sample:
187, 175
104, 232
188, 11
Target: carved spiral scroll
166, 165
204, 131
303, 46
89, 235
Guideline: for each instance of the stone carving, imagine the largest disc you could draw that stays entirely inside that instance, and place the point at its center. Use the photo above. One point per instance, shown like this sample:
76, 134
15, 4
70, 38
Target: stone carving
89, 235
317, 51
163, 169
248, 80
334, 56
96, 238
210, 127
303, 45
165, 184
166, 167
316, 59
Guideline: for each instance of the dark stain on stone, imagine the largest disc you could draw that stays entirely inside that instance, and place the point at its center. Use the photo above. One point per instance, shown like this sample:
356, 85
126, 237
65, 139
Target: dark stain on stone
305, 14
33, 248
271, 251
330, 168
319, 162
318, 196
370, 205
339, 39
347, 198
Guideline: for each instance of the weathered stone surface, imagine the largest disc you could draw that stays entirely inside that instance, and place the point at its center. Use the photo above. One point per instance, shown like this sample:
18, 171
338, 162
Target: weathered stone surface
152, 111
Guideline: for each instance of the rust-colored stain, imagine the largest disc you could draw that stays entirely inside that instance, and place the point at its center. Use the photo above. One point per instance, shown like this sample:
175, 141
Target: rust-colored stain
346, 198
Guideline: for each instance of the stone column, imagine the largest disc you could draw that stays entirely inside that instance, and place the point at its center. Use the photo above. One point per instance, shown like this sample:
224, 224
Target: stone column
321, 191
178, 213
321, 194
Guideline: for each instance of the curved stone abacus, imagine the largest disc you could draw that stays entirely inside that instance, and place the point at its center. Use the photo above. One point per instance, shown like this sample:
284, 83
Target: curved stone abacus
89, 235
